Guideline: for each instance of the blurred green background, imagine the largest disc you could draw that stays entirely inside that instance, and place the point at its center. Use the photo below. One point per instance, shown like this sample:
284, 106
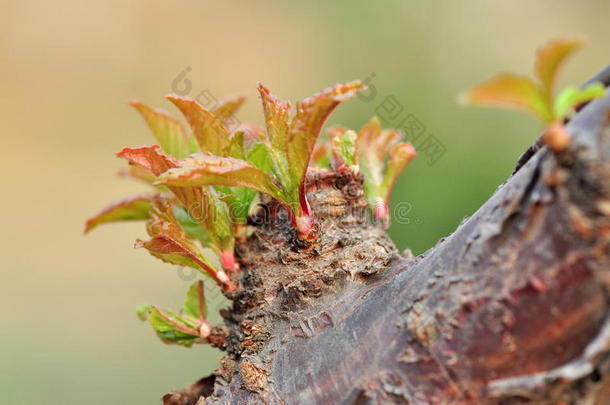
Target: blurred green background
68, 331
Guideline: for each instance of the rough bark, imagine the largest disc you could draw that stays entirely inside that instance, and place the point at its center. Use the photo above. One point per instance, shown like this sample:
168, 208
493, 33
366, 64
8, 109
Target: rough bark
511, 308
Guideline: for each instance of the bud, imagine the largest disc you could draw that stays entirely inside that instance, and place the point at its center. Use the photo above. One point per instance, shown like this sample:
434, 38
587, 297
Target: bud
205, 329
556, 137
227, 261
381, 211
304, 224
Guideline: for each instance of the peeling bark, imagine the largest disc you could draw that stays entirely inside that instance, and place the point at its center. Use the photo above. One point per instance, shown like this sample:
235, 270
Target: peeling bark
511, 308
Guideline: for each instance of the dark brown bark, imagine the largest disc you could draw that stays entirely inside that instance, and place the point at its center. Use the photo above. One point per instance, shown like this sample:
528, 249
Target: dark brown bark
511, 308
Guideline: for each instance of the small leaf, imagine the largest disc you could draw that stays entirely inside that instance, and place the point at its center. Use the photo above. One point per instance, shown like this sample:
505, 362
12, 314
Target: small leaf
344, 150
512, 91
188, 327
209, 130
149, 157
219, 171
171, 328
194, 303
142, 311
572, 97
277, 114
170, 243
129, 209
549, 59
380, 174
191, 227
400, 156
241, 199
307, 124
168, 132
371, 158
236, 147
172, 251
259, 157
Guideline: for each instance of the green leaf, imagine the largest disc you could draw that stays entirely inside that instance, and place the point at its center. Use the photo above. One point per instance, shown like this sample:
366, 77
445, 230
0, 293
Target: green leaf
191, 227
171, 327
240, 199
188, 327
133, 208
209, 130
259, 156
142, 311
572, 97
236, 148
194, 303
509, 91
168, 132
344, 150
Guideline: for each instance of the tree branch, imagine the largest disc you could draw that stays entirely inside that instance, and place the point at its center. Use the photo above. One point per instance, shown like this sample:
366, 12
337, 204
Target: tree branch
510, 308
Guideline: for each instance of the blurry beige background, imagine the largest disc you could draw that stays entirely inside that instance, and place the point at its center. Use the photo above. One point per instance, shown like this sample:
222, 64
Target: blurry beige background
68, 332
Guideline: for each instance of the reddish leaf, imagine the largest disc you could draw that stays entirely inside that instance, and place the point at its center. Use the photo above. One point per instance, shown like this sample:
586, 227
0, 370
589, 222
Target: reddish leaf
129, 209
220, 171
149, 157
209, 130
167, 131
307, 124
196, 200
380, 174
170, 243
549, 59
277, 114
508, 90
400, 156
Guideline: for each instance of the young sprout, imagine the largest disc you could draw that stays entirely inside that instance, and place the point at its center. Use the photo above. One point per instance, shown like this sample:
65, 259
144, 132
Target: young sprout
214, 138
199, 207
183, 328
287, 147
382, 157
344, 150
537, 96
207, 182
134, 208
